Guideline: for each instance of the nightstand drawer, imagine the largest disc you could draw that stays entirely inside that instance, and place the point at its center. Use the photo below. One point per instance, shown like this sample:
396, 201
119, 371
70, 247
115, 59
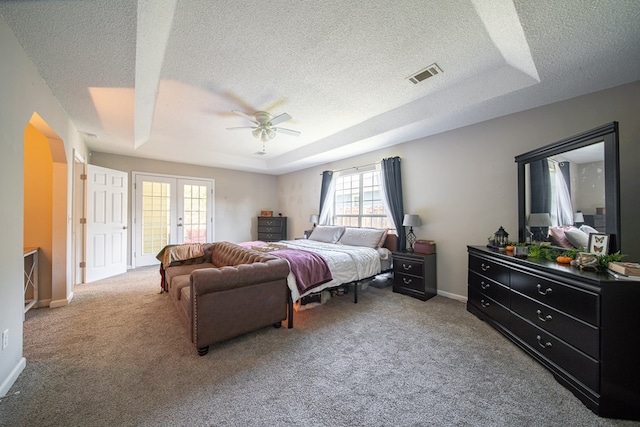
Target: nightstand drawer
408, 266
408, 281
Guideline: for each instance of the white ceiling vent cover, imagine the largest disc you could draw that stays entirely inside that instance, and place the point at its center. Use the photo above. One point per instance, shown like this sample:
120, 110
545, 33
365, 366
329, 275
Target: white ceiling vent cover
430, 71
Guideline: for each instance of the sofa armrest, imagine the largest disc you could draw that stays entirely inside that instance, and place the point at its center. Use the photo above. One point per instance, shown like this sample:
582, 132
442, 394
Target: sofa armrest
209, 280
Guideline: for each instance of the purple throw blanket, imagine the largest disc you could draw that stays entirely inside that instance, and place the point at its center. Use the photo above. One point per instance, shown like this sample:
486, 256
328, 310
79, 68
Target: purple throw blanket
310, 269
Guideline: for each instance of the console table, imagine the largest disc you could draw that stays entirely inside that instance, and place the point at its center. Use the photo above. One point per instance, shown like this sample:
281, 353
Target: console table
583, 326
30, 278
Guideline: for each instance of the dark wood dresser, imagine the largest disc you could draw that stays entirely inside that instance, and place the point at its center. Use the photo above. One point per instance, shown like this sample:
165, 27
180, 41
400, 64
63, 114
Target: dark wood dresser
271, 229
414, 274
582, 326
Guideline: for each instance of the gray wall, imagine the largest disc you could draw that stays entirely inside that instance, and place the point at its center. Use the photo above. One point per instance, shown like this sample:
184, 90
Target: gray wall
463, 183
23, 93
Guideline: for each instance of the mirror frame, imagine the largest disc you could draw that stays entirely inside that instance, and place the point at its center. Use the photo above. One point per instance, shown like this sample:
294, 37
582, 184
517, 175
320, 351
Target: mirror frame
609, 135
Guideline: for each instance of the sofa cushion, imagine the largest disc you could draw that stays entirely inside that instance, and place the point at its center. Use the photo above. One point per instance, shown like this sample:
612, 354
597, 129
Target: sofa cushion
181, 270
178, 284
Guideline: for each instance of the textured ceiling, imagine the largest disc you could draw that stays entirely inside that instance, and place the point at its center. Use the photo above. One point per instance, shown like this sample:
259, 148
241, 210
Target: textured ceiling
159, 78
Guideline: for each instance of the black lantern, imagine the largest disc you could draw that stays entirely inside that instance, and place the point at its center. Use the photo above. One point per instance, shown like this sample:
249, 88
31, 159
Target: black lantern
500, 238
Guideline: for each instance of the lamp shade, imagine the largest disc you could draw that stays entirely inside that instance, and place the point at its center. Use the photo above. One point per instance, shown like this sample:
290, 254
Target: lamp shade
411, 221
313, 219
539, 220
578, 217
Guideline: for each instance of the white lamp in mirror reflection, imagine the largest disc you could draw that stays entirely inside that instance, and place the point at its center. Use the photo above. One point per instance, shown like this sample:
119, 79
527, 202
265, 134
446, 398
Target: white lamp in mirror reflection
313, 219
411, 221
578, 218
539, 221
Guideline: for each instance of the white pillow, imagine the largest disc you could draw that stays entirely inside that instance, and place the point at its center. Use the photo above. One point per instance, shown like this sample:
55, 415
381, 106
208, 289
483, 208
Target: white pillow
367, 237
326, 233
588, 229
577, 238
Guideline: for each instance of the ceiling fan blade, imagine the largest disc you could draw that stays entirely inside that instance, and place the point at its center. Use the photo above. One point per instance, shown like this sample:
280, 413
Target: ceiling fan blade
287, 131
279, 119
246, 116
242, 127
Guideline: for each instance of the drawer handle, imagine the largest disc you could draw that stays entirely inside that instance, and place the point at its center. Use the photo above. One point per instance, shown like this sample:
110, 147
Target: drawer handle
485, 267
545, 292
545, 318
484, 303
542, 343
406, 281
484, 285
406, 267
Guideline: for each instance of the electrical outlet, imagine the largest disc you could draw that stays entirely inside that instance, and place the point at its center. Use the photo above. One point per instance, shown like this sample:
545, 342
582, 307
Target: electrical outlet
5, 339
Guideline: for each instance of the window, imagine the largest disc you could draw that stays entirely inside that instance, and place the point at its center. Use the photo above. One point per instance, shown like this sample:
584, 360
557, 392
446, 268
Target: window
358, 200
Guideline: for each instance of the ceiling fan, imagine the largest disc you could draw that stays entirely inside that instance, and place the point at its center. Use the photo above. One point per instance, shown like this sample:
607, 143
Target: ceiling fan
265, 125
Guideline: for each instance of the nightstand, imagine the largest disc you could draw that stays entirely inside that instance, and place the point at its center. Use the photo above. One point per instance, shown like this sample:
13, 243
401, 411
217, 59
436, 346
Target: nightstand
414, 274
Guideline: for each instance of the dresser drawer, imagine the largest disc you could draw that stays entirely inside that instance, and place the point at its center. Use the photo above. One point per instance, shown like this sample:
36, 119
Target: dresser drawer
580, 366
579, 334
268, 229
270, 237
489, 269
270, 222
490, 288
489, 306
574, 301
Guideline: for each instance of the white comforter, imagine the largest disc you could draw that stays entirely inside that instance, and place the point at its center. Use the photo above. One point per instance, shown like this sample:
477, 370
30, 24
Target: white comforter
347, 263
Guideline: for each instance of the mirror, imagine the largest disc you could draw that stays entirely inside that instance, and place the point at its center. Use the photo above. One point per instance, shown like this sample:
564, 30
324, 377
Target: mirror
571, 182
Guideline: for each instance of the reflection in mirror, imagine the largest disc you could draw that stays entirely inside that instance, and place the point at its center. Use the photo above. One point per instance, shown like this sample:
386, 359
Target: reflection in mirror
571, 184
566, 189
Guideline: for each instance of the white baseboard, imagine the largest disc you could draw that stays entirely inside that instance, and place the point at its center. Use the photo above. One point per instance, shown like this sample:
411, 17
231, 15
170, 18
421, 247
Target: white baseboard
457, 297
13, 376
60, 302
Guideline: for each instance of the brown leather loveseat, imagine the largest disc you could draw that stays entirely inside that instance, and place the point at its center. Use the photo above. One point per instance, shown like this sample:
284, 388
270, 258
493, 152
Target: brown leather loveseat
228, 291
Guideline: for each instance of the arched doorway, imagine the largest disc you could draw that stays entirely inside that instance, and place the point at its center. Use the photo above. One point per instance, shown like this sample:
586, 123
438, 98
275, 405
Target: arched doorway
45, 209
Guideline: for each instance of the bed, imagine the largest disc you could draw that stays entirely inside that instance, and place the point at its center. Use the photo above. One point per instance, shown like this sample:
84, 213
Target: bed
332, 256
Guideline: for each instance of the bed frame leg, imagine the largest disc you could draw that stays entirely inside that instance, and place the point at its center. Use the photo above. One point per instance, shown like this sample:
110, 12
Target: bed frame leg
355, 292
290, 312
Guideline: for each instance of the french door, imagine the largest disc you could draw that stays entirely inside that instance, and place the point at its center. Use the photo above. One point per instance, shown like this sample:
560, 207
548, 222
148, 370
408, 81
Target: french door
170, 210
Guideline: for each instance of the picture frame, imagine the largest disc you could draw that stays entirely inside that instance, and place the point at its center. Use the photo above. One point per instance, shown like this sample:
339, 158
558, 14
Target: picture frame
598, 243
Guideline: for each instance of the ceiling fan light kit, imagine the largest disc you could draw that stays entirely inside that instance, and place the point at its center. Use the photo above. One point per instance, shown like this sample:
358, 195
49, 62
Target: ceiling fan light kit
265, 125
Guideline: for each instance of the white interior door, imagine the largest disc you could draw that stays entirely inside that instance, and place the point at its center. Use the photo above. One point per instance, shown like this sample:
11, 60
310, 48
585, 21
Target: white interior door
170, 210
107, 194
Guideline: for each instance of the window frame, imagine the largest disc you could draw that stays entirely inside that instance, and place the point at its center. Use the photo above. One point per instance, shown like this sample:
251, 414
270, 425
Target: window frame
361, 217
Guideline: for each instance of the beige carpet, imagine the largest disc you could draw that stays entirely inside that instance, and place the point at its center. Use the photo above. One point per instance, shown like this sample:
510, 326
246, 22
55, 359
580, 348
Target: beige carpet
118, 356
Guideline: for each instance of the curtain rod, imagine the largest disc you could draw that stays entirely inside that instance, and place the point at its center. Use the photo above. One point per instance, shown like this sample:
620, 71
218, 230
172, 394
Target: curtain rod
355, 167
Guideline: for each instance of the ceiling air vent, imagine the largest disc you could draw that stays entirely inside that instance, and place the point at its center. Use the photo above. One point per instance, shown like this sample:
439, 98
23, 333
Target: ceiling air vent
421, 75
